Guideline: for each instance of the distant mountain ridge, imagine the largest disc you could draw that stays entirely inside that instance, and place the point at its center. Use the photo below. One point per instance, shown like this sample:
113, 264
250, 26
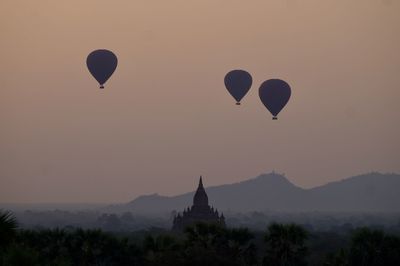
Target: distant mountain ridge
373, 192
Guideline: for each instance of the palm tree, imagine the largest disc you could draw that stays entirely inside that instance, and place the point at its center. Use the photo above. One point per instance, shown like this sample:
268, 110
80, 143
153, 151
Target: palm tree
339, 258
371, 247
285, 245
211, 244
240, 248
8, 228
162, 250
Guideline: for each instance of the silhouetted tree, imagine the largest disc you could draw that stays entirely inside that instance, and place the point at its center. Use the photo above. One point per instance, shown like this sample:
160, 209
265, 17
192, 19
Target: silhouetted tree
241, 249
202, 244
8, 228
373, 247
20, 255
79, 247
163, 250
337, 259
285, 245
211, 244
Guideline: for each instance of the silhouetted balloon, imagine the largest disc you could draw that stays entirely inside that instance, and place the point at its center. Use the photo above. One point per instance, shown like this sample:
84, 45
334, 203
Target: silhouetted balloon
274, 94
101, 64
238, 83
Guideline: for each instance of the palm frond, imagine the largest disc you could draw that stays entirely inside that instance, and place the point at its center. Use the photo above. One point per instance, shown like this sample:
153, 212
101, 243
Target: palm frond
8, 222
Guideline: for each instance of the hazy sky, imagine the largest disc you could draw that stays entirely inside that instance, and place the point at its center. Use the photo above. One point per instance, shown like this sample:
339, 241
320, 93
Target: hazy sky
165, 116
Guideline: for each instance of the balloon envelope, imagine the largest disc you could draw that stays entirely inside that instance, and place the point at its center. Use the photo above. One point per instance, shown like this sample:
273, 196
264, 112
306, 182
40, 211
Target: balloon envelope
101, 64
274, 94
238, 83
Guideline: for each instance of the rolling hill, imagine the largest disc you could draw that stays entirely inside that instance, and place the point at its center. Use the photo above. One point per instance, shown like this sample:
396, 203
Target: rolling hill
373, 192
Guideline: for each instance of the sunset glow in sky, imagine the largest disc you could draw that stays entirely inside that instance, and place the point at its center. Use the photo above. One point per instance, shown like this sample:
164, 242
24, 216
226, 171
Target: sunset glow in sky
165, 117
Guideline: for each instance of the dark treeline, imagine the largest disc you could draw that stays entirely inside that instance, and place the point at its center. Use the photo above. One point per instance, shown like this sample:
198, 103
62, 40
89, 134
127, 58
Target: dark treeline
114, 222
202, 244
257, 221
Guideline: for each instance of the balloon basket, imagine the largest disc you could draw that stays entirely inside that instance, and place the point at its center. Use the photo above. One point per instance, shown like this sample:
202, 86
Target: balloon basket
274, 118
238, 103
101, 87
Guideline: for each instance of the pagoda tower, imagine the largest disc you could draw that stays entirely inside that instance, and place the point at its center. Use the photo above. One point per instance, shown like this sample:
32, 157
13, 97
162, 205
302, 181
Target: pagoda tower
199, 212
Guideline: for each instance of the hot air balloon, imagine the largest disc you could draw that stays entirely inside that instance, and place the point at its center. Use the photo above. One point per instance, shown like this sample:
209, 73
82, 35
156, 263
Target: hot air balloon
101, 64
238, 83
274, 94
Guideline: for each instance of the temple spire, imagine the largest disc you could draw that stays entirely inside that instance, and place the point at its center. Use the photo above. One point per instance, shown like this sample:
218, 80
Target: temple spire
199, 212
200, 197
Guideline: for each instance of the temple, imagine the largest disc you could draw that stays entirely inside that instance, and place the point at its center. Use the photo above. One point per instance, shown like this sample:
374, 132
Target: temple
199, 212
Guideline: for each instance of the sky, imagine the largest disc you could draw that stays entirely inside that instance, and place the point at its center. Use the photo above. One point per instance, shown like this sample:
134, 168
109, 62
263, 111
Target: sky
165, 117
